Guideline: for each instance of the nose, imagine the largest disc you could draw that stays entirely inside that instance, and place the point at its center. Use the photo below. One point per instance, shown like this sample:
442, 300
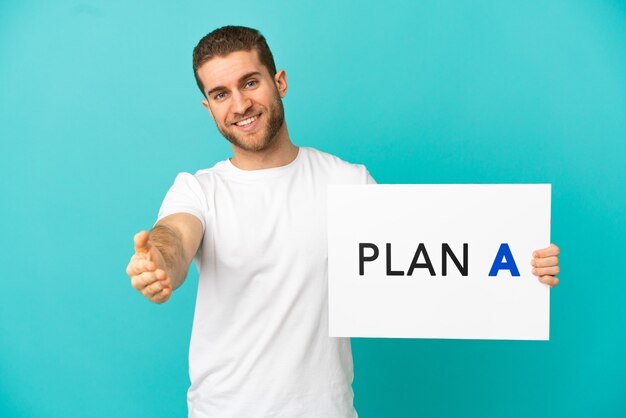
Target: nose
241, 103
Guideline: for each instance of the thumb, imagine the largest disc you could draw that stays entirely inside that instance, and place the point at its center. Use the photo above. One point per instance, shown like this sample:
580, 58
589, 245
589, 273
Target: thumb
141, 242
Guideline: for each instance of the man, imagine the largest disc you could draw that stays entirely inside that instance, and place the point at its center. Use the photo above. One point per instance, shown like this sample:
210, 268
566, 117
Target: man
255, 225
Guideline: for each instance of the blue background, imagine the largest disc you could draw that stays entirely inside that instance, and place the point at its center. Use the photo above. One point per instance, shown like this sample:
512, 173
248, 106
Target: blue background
99, 111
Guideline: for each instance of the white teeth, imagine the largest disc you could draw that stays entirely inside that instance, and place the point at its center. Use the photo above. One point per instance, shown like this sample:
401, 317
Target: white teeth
247, 121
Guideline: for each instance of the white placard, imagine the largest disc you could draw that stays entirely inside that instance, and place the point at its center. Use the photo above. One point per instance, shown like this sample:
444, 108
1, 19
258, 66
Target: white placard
381, 281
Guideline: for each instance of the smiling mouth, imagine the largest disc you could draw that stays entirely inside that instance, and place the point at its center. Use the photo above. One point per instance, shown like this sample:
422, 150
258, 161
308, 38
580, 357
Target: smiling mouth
247, 121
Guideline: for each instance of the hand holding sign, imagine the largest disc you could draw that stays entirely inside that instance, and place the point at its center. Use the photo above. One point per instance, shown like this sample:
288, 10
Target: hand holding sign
546, 265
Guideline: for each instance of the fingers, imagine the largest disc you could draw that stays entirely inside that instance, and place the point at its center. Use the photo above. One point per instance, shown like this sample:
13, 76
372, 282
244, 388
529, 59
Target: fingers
546, 271
144, 275
141, 242
552, 250
549, 280
154, 288
546, 265
159, 291
138, 265
545, 262
547, 275
142, 280
162, 296
155, 285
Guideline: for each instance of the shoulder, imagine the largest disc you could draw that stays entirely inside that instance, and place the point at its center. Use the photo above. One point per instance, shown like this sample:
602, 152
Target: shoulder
338, 170
204, 176
219, 167
199, 183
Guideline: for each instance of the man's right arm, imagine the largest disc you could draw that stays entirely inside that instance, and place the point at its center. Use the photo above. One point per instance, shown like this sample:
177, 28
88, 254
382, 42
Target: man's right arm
163, 255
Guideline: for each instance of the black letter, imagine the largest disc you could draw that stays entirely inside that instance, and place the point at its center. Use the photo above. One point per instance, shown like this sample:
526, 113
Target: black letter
363, 259
414, 264
389, 271
446, 250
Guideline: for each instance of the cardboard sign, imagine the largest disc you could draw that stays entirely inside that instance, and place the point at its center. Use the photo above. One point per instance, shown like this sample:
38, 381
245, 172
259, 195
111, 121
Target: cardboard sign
437, 261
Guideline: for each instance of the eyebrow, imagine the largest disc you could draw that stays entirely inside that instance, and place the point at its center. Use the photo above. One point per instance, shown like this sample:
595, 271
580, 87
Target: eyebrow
241, 79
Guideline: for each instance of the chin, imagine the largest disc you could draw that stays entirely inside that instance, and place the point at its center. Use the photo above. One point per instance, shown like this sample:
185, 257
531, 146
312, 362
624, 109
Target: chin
253, 145
258, 146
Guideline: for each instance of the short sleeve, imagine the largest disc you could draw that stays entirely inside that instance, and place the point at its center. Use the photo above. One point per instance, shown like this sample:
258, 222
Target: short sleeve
368, 177
185, 196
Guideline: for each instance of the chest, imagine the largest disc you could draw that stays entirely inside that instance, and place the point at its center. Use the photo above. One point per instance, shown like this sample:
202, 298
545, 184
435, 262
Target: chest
268, 224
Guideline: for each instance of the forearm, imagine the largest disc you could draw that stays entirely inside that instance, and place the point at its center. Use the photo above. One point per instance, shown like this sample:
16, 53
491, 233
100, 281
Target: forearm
168, 241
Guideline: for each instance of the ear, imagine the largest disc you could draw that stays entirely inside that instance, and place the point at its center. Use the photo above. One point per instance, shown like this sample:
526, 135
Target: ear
280, 78
205, 103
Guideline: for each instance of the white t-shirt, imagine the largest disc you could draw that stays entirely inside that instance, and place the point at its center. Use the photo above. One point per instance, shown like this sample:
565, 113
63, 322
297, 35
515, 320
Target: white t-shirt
260, 345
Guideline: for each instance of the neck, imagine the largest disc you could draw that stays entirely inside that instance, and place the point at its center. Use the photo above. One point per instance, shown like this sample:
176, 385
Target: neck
281, 152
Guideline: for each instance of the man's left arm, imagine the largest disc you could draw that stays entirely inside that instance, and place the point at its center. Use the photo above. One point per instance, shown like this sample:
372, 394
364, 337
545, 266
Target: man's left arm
545, 264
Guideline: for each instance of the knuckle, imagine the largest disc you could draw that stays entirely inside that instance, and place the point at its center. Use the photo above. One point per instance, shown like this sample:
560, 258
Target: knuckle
161, 297
155, 288
146, 278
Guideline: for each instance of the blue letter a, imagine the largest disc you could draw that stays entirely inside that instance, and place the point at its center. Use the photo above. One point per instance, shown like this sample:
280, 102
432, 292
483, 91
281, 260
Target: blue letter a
504, 261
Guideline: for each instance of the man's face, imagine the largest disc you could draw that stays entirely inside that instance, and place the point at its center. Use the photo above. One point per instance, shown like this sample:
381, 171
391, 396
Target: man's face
244, 99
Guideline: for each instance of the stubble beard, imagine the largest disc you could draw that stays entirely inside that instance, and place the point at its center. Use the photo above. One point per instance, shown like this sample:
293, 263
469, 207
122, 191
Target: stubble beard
274, 121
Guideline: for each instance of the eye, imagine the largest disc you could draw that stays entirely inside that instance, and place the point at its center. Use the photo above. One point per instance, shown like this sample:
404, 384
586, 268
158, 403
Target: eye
252, 83
219, 96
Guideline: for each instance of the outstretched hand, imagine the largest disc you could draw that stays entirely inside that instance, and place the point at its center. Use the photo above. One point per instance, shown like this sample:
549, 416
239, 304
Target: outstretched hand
146, 270
546, 265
